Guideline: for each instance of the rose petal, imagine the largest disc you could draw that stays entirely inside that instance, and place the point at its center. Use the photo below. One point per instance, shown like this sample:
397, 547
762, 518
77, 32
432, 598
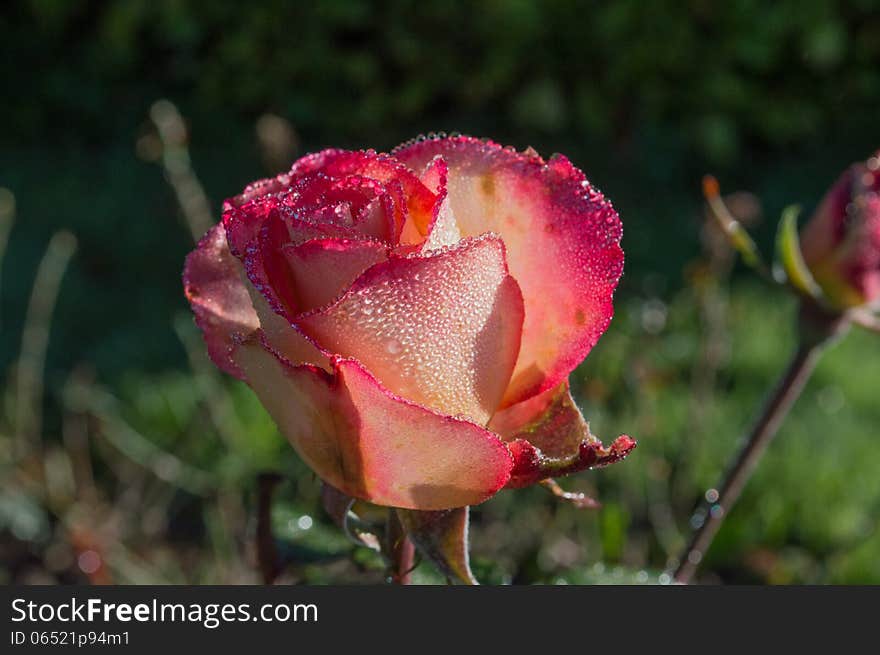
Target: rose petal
244, 223
364, 204
267, 265
443, 230
280, 292
322, 269
412, 198
435, 175
219, 299
341, 174
376, 220
370, 444
282, 337
264, 187
562, 239
442, 330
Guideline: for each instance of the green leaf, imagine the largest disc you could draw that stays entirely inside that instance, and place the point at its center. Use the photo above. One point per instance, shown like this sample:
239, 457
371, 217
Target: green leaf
790, 260
442, 537
736, 234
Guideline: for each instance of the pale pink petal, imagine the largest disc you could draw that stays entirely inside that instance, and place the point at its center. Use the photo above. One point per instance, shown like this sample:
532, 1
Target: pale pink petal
442, 330
278, 292
370, 444
435, 175
443, 230
322, 269
219, 299
416, 230
267, 264
562, 239
297, 276
376, 220
282, 337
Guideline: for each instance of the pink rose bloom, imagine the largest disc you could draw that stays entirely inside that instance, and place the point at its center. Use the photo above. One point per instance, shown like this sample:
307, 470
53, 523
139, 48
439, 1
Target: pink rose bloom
841, 243
410, 320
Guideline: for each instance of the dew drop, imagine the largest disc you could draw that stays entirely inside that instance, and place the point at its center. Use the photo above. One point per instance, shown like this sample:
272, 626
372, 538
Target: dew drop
89, 561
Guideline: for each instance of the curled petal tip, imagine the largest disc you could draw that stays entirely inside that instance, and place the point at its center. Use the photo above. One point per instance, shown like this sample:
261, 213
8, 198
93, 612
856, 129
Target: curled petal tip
531, 465
620, 448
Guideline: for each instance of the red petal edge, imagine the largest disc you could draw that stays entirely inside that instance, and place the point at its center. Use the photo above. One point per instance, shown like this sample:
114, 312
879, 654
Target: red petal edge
219, 299
531, 466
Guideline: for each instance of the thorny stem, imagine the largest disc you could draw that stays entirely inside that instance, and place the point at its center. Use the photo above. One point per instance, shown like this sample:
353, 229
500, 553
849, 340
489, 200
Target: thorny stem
817, 330
400, 551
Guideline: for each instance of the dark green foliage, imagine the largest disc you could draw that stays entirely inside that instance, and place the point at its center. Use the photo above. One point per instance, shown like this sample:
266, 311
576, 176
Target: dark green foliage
719, 74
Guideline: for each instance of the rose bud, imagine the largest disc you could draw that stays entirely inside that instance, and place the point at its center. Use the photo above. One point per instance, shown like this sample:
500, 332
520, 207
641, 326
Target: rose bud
410, 320
841, 243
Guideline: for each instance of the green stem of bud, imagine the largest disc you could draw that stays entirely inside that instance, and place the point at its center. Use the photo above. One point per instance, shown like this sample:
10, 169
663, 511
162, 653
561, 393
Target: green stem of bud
817, 329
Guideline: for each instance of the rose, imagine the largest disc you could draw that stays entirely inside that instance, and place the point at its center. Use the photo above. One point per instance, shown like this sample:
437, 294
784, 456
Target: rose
410, 320
841, 243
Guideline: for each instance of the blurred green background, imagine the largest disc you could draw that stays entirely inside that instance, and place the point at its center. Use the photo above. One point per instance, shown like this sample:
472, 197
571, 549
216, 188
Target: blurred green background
127, 458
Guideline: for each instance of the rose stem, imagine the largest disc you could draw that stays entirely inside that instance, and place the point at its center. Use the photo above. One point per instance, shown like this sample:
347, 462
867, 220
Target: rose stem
401, 552
817, 330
